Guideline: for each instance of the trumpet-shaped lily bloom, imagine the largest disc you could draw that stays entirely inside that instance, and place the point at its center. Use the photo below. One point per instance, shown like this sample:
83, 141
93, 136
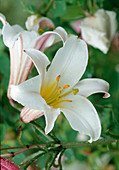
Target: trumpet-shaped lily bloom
17, 39
59, 89
99, 30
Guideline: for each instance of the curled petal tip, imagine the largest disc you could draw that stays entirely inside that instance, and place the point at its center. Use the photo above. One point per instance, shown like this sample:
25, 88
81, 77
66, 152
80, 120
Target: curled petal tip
90, 140
2, 19
107, 95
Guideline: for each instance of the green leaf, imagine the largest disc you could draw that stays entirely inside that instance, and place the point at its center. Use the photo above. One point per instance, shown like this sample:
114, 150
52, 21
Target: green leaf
70, 1
69, 154
1, 91
18, 158
32, 158
38, 136
52, 160
31, 8
1, 25
2, 131
41, 161
58, 8
73, 13
4, 69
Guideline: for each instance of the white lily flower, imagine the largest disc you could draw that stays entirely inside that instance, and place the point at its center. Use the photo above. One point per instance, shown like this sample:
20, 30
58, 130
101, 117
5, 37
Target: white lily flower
99, 30
17, 39
58, 89
34, 22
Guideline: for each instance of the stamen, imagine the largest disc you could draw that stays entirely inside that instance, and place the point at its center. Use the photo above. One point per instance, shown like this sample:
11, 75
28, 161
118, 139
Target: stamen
57, 98
59, 92
57, 78
75, 91
66, 86
68, 100
58, 88
40, 30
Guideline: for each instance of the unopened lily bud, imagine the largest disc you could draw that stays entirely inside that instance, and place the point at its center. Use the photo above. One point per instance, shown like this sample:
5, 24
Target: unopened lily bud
34, 22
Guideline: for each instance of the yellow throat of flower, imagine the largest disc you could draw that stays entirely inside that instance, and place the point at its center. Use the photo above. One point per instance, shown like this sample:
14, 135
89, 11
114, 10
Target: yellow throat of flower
54, 94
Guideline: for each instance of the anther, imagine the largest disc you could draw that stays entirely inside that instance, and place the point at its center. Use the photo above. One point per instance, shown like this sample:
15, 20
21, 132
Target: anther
57, 98
66, 86
58, 77
59, 92
68, 100
40, 30
58, 88
75, 91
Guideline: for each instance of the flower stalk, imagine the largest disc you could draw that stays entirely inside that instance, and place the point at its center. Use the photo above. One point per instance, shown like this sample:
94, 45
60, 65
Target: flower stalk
48, 6
66, 145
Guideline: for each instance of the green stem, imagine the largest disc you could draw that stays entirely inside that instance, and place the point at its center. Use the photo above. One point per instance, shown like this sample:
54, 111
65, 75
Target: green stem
21, 147
85, 144
69, 145
49, 6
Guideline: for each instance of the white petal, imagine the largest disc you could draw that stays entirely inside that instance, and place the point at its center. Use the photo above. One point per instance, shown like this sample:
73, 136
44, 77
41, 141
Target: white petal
16, 63
34, 22
50, 37
50, 117
82, 116
102, 21
10, 34
39, 59
28, 93
62, 34
91, 86
30, 21
95, 38
27, 115
29, 39
21, 64
69, 62
45, 40
113, 23
2, 19
96, 30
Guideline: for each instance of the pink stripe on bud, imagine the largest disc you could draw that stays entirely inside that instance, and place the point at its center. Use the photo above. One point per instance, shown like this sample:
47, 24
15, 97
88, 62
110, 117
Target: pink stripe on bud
27, 115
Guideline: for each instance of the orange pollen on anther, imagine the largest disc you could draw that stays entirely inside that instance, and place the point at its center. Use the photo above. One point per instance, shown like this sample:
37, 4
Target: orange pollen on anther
57, 98
66, 86
58, 77
58, 88
68, 100
59, 92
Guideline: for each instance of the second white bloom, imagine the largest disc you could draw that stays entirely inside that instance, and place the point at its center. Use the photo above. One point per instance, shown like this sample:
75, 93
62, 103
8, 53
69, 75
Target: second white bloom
99, 30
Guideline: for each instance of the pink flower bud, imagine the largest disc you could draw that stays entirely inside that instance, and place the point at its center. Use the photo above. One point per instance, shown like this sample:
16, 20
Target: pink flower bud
8, 165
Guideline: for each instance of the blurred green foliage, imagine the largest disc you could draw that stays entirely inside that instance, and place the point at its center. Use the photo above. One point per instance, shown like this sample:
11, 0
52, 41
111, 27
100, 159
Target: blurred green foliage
100, 66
